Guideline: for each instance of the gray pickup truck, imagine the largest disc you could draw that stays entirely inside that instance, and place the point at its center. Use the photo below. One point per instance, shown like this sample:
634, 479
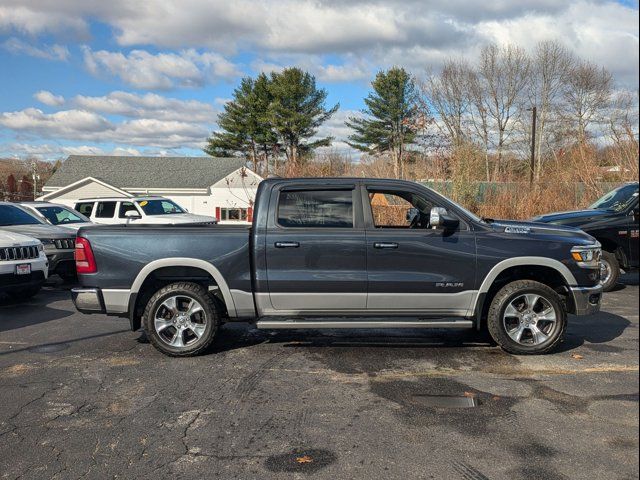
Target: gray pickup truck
342, 253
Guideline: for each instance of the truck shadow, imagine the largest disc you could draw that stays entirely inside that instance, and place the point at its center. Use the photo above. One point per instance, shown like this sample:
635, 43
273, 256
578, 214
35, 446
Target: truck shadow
594, 332
17, 314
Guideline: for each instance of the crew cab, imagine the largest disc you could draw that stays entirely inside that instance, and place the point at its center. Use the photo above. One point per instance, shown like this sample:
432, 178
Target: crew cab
156, 210
613, 221
342, 253
23, 265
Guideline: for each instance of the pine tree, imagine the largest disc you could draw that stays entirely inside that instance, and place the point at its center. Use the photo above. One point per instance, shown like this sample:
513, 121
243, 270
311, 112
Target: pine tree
296, 112
390, 121
244, 126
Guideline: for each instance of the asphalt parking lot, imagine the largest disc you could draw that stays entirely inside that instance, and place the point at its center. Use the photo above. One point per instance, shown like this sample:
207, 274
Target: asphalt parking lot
84, 397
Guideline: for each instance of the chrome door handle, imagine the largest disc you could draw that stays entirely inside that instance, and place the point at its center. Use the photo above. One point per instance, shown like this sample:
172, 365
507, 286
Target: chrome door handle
287, 244
385, 245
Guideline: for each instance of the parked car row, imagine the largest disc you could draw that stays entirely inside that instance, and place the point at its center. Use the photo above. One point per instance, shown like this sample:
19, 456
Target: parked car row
37, 239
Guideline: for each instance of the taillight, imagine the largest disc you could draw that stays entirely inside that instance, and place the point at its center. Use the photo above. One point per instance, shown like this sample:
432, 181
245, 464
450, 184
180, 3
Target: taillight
85, 261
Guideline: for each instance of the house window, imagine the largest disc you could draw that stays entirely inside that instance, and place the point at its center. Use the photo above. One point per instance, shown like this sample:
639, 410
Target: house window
234, 214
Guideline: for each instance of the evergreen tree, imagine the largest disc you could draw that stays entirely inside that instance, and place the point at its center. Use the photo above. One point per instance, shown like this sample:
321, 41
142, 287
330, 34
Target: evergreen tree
390, 121
244, 125
296, 111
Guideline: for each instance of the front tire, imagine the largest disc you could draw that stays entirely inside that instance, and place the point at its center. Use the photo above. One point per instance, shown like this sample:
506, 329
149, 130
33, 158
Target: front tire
527, 318
181, 319
609, 271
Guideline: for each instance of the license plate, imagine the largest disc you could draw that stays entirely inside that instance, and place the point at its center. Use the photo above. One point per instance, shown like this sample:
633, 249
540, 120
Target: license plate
24, 269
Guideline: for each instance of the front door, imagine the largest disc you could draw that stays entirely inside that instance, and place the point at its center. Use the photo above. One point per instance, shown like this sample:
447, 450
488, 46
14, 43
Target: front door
315, 252
412, 268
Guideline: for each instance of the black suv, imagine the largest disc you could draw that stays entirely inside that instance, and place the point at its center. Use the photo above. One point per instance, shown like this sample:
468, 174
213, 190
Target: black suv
613, 221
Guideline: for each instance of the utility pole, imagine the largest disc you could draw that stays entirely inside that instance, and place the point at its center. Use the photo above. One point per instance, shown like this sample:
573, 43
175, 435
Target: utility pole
35, 177
532, 166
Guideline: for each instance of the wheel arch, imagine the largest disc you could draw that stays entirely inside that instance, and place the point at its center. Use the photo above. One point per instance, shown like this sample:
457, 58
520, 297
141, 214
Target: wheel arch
178, 262
549, 271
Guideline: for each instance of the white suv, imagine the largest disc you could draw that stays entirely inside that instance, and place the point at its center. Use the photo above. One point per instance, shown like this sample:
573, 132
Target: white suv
154, 210
23, 265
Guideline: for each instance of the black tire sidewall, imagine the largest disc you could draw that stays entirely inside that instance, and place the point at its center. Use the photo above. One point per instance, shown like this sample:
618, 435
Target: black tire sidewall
505, 296
614, 268
191, 291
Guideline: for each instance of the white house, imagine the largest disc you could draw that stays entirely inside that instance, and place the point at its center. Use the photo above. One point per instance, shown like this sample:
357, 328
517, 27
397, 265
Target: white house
220, 187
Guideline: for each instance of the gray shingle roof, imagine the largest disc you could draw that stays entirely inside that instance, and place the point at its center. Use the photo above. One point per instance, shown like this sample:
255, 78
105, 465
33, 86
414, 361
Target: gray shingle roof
145, 172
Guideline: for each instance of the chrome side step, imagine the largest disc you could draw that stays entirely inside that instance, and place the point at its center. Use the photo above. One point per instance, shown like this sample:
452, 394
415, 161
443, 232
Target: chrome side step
320, 324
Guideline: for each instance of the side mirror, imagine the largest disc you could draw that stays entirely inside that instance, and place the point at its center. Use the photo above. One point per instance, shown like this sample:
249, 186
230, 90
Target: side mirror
132, 215
440, 218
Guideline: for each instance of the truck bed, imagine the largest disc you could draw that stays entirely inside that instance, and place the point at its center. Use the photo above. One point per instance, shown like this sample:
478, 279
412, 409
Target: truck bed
121, 252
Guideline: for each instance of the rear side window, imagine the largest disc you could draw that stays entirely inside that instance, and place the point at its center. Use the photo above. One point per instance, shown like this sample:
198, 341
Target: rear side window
106, 209
85, 208
316, 208
126, 207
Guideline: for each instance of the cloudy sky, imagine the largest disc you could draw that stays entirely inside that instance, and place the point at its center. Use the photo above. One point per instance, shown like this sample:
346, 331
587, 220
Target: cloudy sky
149, 76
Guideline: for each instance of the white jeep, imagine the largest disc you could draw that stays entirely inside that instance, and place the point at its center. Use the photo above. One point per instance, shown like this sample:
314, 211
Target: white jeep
23, 265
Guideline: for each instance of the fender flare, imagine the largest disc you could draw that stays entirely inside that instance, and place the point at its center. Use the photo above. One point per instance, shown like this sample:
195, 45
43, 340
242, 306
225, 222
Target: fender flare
186, 262
516, 262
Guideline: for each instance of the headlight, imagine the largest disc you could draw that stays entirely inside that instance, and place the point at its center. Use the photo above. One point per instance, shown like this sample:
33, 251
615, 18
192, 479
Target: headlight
587, 256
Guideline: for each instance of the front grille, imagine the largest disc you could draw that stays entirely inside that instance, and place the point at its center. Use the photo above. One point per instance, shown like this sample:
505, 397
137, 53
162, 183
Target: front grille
65, 244
19, 253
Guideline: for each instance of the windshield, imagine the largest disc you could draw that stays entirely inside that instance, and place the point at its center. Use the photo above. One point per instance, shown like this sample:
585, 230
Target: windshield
61, 216
11, 215
159, 207
617, 200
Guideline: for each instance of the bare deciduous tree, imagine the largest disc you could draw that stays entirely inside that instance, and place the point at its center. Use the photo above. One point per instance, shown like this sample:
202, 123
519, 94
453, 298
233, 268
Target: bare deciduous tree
551, 66
505, 73
445, 96
586, 94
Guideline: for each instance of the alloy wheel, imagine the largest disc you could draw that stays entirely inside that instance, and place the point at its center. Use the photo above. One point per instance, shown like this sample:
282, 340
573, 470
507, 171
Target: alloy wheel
180, 321
530, 319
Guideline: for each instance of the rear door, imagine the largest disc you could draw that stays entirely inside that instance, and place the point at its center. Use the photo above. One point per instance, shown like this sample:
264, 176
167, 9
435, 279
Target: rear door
413, 268
315, 251
105, 212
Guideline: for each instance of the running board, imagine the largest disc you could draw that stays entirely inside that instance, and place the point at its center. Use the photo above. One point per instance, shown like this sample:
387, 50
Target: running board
320, 324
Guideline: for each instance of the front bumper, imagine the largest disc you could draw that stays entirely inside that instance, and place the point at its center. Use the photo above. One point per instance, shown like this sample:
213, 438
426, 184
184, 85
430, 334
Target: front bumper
10, 282
61, 261
586, 300
88, 300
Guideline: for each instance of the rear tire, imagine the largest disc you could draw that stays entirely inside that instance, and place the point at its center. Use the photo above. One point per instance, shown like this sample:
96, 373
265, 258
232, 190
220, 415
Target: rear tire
527, 318
610, 271
181, 319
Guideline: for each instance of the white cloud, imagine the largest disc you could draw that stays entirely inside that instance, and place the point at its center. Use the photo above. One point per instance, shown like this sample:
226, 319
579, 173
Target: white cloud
161, 71
149, 105
81, 125
355, 30
47, 52
48, 151
48, 98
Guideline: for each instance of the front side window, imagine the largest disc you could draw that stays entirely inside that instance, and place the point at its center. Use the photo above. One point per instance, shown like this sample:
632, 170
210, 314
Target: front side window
60, 215
85, 208
11, 215
391, 209
234, 214
159, 207
106, 209
316, 208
